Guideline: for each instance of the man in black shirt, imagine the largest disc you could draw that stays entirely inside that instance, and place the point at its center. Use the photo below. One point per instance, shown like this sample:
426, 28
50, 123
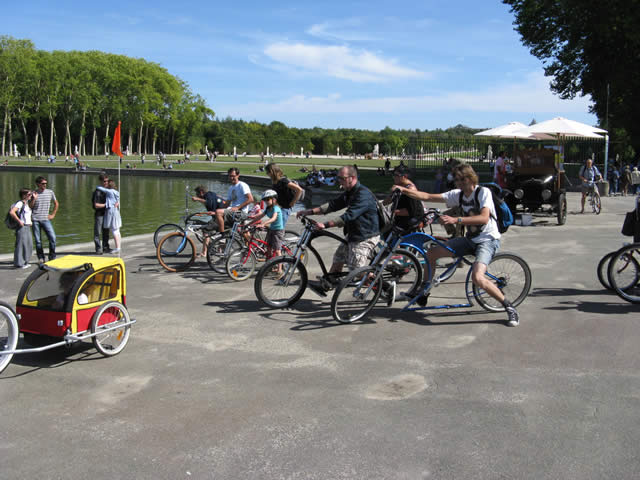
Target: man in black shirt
99, 200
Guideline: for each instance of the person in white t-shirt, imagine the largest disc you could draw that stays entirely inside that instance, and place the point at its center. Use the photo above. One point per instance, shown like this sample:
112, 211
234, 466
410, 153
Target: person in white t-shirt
21, 212
239, 198
482, 236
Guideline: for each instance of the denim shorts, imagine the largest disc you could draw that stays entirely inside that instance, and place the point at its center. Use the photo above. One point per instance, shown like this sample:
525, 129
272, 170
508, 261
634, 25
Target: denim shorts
483, 251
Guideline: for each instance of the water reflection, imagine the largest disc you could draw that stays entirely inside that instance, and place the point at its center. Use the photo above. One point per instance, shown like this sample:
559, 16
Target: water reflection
146, 202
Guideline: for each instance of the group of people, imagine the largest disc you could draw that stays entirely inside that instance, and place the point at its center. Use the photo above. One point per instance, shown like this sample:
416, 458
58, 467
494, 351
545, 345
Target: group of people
360, 221
35, 209
623, 180
361, 228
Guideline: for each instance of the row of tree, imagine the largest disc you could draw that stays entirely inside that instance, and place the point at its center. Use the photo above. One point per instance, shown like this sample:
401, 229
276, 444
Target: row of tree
65, 102
57, 101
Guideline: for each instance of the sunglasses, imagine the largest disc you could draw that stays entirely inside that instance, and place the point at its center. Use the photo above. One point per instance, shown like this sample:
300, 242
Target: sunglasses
343, 178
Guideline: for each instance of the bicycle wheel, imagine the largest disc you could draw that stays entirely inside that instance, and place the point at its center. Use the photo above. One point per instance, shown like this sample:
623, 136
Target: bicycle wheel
111, 315
603, 270
624, 272
240, 264
217, 252
164, 230
597, 203
9, 334
176, 252
280, 290
405, 269
511, 274
356, 295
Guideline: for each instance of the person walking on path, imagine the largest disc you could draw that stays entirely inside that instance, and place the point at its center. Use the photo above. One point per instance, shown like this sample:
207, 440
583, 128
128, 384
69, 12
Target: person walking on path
99, 201
21, 211
288, 192
482, 238
635, 180
41, 218
625, 180
112, 218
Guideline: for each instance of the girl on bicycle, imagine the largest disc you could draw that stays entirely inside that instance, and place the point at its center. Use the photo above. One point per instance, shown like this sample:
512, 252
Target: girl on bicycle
273, 220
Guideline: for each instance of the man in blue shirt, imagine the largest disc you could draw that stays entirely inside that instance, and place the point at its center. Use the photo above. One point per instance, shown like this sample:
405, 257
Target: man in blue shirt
589, 174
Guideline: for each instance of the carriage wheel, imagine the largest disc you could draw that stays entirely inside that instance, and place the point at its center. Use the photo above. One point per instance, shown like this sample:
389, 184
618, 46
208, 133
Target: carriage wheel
111, 314
9, 334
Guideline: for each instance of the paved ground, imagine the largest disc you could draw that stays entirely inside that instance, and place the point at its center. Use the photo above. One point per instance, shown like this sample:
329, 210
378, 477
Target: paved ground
213, 385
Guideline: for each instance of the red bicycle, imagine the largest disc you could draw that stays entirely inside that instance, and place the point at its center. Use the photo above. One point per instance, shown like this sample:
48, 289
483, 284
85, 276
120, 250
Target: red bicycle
241, 262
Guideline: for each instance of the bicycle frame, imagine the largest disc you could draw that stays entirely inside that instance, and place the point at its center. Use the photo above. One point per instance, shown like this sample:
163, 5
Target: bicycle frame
304, 244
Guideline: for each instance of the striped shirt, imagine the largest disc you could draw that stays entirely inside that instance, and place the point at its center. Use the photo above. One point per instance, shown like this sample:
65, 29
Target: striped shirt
43, 204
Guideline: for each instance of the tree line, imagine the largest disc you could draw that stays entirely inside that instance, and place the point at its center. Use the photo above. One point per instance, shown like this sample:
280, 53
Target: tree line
59, 101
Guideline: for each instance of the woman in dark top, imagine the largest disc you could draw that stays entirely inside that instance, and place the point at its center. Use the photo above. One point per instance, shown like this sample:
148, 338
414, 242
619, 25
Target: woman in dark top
288, 192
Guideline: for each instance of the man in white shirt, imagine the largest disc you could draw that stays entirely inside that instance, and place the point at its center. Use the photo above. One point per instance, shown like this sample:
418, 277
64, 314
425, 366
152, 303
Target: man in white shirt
482, 238
239, 198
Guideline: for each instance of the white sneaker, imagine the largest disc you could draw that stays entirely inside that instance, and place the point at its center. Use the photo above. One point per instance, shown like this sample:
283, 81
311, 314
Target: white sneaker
513, 319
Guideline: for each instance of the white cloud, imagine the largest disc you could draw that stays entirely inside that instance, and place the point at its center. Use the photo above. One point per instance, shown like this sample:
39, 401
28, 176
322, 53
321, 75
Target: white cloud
344, 31
338, 61
531, 96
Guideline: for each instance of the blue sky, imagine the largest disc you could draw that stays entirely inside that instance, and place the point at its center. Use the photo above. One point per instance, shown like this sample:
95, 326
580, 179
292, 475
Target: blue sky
405, 64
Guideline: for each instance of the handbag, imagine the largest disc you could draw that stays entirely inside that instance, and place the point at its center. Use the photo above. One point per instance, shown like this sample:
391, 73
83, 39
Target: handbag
631, 224
11, 222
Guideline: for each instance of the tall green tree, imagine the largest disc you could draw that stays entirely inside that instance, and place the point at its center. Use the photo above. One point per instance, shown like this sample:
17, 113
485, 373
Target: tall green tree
589, 47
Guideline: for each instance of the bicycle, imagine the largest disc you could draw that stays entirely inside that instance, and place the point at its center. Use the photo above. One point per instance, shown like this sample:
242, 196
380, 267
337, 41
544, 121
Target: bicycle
241, 262
280, 290
594, 198
357, 294
603, 268
624, 272
167, 228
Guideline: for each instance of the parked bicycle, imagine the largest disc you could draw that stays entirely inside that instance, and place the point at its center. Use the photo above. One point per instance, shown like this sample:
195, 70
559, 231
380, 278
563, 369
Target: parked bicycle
360, 290
623, 272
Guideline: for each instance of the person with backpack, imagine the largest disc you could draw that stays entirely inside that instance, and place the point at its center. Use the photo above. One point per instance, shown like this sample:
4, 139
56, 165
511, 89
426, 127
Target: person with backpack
482, 238
21, 213
289, 192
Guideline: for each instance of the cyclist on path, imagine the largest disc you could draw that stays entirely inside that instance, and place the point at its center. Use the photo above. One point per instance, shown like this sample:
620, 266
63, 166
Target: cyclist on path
359, 222
589, 174
482, 237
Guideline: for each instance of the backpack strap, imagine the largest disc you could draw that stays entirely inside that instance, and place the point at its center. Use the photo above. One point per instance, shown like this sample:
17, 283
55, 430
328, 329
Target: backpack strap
477, 202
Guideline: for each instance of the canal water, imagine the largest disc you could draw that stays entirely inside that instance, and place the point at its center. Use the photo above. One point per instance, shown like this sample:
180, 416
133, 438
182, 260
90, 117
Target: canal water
146, 202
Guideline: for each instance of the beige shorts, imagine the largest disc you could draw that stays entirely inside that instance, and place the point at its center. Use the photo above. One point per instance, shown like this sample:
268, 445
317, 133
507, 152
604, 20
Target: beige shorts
356, 254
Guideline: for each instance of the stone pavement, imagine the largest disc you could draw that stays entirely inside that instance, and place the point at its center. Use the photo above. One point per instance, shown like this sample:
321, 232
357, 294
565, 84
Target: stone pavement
214, 385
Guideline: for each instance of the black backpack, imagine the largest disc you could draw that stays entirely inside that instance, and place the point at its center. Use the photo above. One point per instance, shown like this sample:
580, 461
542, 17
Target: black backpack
504, 216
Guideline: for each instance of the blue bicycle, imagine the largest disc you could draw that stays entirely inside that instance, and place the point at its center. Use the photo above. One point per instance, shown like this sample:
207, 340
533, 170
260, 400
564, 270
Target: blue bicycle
360, 290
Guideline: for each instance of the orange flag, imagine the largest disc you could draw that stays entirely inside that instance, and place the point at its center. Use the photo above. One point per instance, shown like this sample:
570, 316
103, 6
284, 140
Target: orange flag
115, 146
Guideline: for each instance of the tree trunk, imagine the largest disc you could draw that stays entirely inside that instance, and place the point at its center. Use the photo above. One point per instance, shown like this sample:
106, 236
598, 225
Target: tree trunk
51, 150
106, 135
81, 144
38, 136
67, 140
146, 138
4, 132
140, 136
26, 139
93, 141
155, 136
10, 138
